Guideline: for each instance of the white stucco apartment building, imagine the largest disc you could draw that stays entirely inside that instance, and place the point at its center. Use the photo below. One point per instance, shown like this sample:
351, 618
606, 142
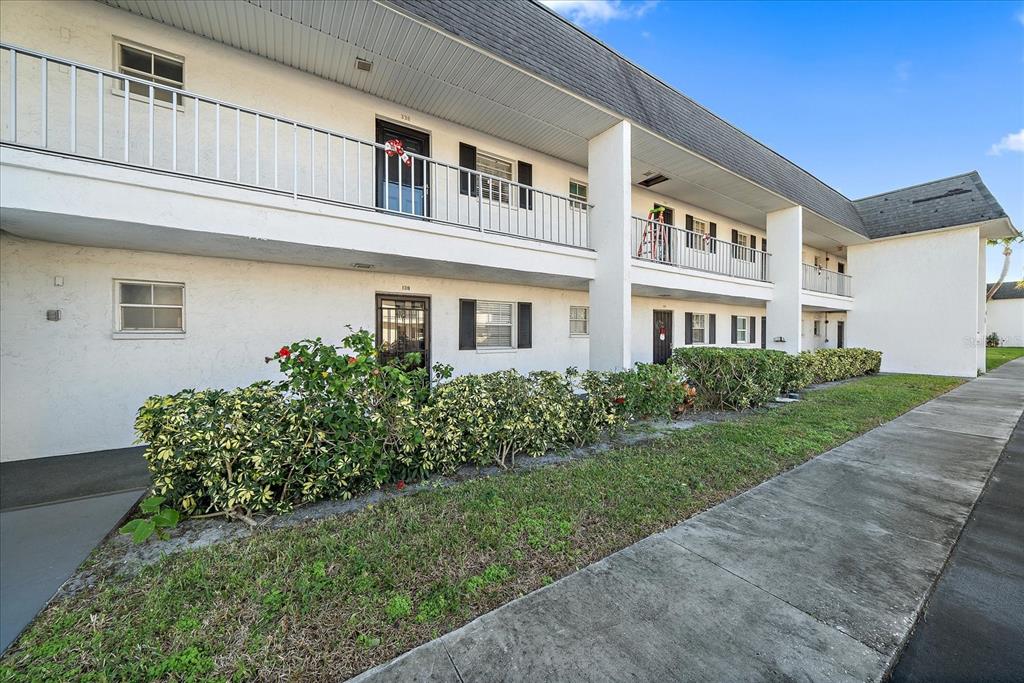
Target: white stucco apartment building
186, 186
1006, 313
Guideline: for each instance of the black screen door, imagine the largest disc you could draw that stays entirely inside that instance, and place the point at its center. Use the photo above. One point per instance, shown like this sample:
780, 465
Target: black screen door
402, 187
662, 336
403, 327
840, 334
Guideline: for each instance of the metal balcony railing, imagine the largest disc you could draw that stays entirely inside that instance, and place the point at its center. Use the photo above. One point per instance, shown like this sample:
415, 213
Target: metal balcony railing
656, 241
817, 279
53, 104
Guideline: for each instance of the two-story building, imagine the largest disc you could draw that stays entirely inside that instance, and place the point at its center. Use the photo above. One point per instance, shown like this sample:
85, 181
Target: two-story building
186, 186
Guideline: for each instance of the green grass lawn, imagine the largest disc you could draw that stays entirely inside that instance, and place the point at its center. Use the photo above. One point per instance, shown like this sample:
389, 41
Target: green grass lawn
330, 599
996, 356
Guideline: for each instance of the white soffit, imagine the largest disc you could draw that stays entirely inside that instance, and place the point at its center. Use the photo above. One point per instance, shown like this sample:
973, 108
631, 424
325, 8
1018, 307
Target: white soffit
413, 65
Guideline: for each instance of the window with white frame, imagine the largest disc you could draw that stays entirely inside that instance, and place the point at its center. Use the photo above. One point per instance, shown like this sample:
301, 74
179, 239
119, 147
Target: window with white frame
698, 328
150, 65
494, 324
150, 306
742, 240
700, 239
579, 321
742, 333
577, 194
491, 188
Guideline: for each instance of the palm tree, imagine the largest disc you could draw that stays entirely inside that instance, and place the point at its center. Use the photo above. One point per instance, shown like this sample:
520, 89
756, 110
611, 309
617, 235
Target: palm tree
1007, 243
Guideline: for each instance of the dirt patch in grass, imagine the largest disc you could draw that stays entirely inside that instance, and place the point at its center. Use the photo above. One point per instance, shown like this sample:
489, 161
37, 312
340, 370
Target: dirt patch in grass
327, 599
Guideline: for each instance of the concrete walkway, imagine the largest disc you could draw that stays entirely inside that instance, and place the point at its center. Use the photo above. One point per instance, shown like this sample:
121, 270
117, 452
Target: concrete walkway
53, 512
972, 628
818, 574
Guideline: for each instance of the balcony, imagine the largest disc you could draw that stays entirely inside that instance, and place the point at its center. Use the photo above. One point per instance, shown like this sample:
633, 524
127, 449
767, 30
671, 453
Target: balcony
58, 106
661, 243
817, 279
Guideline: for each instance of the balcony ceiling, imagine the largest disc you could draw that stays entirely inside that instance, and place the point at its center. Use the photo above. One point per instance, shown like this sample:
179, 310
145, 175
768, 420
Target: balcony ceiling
414, 65
427, 70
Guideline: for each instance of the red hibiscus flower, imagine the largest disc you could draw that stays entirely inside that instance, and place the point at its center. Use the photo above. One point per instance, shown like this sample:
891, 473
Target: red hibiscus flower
400, 485
284, 352
351, 360
619, 400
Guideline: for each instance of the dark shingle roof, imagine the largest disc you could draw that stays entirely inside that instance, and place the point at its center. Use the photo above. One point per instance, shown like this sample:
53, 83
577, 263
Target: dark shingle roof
942, 203
1007, 290
538, 40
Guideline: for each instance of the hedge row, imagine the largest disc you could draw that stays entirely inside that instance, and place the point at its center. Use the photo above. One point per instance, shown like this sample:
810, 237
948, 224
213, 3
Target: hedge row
342, 422
740, 378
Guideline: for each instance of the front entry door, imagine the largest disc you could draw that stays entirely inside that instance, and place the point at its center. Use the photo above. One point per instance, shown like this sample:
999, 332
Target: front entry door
403, 326
402, 187
840, 334
662, 336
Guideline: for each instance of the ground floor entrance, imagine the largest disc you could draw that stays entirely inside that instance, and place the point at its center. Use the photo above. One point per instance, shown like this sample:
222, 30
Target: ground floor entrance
403, 327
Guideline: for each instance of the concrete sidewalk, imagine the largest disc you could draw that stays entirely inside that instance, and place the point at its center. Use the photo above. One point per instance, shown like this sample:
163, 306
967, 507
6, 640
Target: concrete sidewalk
818, 574
53, 512
973, 626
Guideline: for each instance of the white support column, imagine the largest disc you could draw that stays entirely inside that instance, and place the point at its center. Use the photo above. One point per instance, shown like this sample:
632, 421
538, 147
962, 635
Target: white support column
785, 229
982, 310
610, 292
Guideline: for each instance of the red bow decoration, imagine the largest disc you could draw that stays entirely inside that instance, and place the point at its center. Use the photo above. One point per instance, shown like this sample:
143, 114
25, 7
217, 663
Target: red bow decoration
395, 148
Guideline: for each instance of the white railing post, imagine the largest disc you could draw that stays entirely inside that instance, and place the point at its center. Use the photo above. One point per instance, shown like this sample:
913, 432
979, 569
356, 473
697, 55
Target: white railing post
295, 160
14, 95
127, 120
238, 145
152, 132
72, 115
216, 143
43, 106
99, 113
174, 131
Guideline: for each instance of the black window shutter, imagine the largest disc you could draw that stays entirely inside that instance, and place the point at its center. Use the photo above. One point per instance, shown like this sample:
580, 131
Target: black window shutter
764, 244
525, 319
733, 329
753, 247
752, 326
525, 178
764, 332
713, 231
689, 231
467, 324
467, 159
688, 332
735, 236
710, 334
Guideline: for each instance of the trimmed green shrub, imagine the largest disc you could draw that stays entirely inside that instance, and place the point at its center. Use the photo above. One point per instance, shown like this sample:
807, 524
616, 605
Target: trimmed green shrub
342, 421
739, 378
830, 365
338, 423
732, 378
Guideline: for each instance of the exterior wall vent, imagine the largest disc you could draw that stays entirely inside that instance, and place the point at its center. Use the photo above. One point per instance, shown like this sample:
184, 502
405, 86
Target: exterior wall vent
363, 64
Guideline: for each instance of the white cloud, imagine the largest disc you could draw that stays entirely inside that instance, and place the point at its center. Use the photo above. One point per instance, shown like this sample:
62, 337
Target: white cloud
1014, 142
600, 11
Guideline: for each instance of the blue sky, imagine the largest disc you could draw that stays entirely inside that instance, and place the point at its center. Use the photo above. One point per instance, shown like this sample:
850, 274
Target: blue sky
867, 96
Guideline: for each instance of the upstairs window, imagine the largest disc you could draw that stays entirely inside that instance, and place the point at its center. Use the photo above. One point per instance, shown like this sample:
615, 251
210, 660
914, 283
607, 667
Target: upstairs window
492, 188
150, 65
579, 321
494, 324
577, 194
150, 306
